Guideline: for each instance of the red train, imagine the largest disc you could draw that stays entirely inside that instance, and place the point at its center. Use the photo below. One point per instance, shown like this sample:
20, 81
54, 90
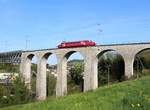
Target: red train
76, 44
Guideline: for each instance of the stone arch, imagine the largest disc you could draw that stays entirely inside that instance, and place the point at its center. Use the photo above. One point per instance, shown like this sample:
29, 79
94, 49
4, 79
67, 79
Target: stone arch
41, 86
28, 61
141, 50
120, 73
30, 56
104, 51
65, 61
52, 73
68, 54
26, 68
45, 57
138, 64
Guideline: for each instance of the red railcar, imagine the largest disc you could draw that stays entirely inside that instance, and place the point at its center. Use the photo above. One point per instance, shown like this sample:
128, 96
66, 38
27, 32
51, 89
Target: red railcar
77, 44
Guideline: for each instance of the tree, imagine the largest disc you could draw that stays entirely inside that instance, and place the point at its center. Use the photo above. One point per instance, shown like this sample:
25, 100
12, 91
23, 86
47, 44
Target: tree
75, 77
110, 68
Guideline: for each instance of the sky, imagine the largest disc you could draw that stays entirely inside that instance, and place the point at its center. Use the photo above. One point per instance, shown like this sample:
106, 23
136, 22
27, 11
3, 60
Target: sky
38, 24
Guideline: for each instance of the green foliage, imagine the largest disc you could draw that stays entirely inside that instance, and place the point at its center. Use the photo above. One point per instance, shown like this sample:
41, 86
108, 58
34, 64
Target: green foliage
136, 101
142, 63
15, 93
125, 96
9, 68
33, 85
76, 73
34, 68
33, 80
51, 85
119, 96
110, 68
20, 91
145, 58
75, 78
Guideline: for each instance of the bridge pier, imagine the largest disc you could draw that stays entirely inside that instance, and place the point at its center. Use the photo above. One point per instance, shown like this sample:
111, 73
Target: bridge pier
90, 73
129, 67
61, 85
25, 68
41, 89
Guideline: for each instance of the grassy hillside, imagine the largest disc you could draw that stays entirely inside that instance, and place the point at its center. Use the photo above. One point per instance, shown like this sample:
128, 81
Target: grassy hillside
129, 95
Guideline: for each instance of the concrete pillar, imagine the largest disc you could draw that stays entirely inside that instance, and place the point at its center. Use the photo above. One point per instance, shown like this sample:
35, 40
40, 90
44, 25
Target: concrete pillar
129, 67
61, 85
41, 90
90, 72
25, 69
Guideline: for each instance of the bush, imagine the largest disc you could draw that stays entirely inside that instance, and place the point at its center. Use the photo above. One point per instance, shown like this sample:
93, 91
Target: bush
51, 84
75, 78
15, 93
9, 68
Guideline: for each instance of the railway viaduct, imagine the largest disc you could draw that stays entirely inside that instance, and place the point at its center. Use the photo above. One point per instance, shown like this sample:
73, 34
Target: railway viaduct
90, 55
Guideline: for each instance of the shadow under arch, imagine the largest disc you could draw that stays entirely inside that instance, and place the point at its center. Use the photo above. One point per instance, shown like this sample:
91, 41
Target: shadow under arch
141, 65
104, 51
142, 50
29, 60
30, 56
111, 67
75, 71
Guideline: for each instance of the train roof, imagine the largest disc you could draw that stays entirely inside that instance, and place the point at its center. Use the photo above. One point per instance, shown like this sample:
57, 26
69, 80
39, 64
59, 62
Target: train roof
76, 41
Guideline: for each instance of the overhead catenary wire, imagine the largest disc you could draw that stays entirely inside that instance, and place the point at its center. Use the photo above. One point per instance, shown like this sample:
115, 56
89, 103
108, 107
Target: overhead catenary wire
78, 29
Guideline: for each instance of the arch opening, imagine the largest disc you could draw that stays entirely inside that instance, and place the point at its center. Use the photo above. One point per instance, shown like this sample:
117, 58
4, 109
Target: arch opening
75, 72
111, 67
51, 73
32, 70
141, 65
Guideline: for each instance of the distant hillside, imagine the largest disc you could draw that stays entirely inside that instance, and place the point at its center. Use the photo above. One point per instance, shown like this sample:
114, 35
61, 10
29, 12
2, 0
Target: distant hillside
129, 95
69, 63
75, 61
